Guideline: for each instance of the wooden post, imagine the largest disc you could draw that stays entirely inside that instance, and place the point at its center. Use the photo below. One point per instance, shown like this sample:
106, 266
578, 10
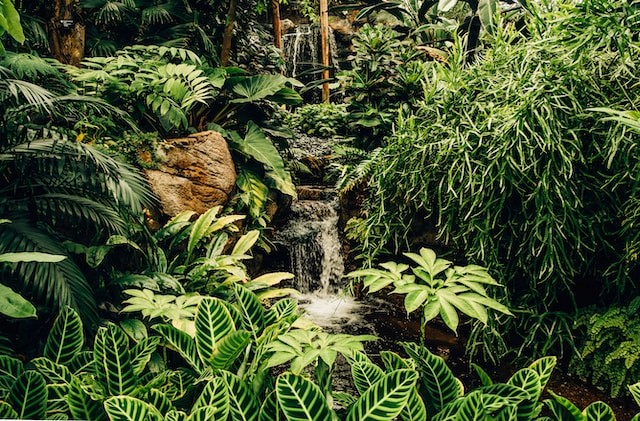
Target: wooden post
66, 32
225, 54
277, 30
324, 40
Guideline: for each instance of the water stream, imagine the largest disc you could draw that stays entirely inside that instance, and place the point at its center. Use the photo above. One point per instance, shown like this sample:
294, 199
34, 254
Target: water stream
315, 258
301, 48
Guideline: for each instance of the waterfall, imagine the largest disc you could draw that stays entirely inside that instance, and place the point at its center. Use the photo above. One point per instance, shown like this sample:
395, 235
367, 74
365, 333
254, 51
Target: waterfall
301, 48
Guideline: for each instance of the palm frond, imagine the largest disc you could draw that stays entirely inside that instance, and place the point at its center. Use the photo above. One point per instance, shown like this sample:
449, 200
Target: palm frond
16, 91
58, 284
157, 14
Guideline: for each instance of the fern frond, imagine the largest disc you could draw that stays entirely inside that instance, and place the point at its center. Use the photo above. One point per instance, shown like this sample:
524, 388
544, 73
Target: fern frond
353, 175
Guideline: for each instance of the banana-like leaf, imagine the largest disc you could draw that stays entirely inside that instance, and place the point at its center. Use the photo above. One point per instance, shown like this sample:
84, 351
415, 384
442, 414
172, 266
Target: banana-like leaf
213, 322
126, 408
141, 353
385, 399
439, 385
598, 411
214, 394
300, 399
243, 405
66, 337
252, 310
200, 228
229, 348
183, 343
365, 374
81, 404
28, 396
113, 361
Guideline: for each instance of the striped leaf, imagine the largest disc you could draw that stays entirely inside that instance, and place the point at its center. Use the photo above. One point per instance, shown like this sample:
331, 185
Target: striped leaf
270, 410
113, 361
229, 348
300, 399
52, 372
599, 411
83, 362
213, 322
344, 399
365, 374
635, 392
176, 416
206, 413
159, 401
393, 361
528, 380
513, 395
485, 379
57, 400
10, 368
182, 343
281, 310
243, 405
563, 408
214, 394
66, 338
81, 405
28, 396
544, 367
385, 399
438, 384
141, 353
252, 310
7, 412
126, 408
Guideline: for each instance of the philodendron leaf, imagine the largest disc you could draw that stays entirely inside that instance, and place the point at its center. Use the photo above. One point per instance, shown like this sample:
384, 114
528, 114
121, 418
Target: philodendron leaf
257, 146
13, 305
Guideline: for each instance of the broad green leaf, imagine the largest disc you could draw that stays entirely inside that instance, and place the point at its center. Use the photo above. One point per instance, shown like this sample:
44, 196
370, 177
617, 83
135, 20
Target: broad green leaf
385, 399
159, 401
28, 396
448, 314
486, 13
141, 353
7, 412
485, 379
300, 399
113, 360
52, 372
254, 88
251, 309
563, 408
66, 337
127, 408
13, 305
244, 243
200, 228
11, 21
31, 256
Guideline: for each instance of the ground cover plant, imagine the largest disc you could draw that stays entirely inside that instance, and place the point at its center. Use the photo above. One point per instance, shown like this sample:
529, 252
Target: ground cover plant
517, 169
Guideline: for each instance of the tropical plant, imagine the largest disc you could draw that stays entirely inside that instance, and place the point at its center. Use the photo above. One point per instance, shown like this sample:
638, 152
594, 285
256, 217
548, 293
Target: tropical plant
10, 23
54, 187
323, 120
513, 167
437, 287
610, 346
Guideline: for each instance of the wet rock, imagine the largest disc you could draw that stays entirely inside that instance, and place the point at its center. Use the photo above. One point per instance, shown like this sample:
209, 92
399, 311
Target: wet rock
194, 173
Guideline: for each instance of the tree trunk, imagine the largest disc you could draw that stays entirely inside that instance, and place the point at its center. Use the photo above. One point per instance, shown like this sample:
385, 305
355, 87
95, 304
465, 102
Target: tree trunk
66, 32
324, 41
277, 30
225, 54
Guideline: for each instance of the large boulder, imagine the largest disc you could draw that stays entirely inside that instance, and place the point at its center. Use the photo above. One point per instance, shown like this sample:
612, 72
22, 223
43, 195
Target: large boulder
193, 173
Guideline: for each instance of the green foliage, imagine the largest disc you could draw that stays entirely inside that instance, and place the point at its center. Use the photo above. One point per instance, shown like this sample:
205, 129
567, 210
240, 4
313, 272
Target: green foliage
610, 349
323, 120
506, 158
10, 22
436, 287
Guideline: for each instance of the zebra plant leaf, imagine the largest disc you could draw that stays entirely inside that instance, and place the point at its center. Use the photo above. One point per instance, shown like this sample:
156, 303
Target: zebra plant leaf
270, 410
385, 399
113, 361
182, 343
7, 412
10, 367
52, 372
214, 394
365, 374
243, 405
159, 401
485, 379
438, 384
176, 416
635, 392
563, 408
528, 380
213, 322
127, 408
141, 353
300, 399
66, 337
205, 413
229, 348
28, 396
544, 367
252, 310
81, 405
599, 411
57, 400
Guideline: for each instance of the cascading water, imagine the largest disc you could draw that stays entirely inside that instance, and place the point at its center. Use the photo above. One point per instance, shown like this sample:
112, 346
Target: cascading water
315, 258
301, 48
